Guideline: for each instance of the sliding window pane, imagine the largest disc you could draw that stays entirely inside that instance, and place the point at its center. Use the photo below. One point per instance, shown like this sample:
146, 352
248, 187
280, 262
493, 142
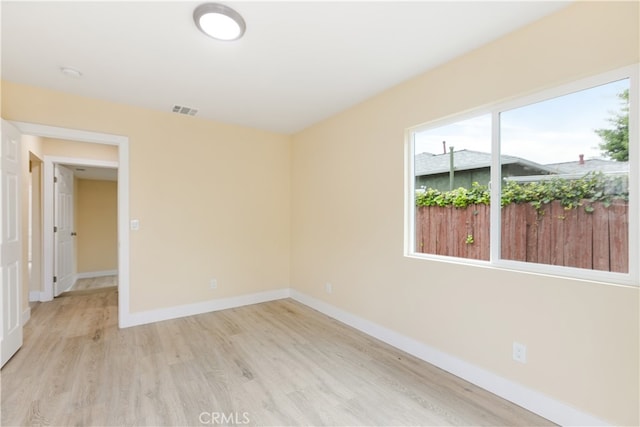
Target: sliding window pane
452, 168
565, 172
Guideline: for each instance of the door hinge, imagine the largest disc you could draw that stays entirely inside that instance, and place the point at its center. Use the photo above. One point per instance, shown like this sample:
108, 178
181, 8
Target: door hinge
55, 229
55, 279
55, 179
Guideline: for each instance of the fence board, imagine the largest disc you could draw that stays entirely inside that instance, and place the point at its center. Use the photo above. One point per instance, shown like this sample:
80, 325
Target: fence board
506, 232
442, 244
557, 233
531, 236
619, 236
458, 222
544, 235
436, 219
569, 231
600, 245
514, 232
478, 227
578, 238
484, 221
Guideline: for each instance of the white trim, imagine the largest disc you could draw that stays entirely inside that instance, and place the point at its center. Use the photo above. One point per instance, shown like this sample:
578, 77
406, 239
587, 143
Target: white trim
123, 233
47, 236
409, 193
26, 315
70, 134
36, 296
92, 274
495, 192
122, 142
532, 400
168, 313
634, 172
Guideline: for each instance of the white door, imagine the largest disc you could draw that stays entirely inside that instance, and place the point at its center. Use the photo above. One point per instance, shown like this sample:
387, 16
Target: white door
10, 264
64, 241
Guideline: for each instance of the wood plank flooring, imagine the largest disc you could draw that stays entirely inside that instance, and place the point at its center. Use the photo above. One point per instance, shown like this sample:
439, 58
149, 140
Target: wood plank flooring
95, 282
276, 363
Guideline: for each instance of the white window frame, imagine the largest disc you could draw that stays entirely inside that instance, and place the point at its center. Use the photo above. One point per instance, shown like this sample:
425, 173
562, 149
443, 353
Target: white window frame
631, 278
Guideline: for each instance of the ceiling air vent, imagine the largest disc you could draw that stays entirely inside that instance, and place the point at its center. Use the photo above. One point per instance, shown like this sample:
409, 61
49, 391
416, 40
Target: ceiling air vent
181, 109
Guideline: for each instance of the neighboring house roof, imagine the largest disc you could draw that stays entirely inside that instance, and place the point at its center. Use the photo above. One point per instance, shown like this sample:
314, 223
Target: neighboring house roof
432, 164
577, 169
591, 165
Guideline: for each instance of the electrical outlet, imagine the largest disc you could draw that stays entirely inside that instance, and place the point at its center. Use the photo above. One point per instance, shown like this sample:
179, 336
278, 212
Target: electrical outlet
519, 352
213, 284
328, 287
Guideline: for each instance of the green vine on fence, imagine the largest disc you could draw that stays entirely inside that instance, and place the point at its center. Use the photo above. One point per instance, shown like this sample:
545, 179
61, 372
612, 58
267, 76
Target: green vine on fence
594, 186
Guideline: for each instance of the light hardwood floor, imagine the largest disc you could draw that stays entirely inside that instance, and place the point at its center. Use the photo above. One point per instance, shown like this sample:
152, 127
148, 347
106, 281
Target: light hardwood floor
276, 363
95, 283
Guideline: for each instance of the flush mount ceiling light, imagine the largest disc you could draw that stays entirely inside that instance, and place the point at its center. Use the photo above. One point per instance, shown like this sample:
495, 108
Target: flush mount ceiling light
219, 21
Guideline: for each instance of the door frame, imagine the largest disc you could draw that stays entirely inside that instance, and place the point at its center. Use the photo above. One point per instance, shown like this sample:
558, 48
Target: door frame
122, 142
49, 214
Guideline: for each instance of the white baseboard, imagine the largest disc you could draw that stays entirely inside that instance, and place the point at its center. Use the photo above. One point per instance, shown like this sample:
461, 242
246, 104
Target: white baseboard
92, 274
141, 318
532, 400
37, 296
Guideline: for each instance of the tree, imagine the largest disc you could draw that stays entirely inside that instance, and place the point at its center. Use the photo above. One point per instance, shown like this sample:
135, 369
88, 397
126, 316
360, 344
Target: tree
615, 143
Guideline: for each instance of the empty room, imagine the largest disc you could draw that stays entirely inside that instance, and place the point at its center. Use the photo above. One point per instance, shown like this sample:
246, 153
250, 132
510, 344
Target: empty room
320, 213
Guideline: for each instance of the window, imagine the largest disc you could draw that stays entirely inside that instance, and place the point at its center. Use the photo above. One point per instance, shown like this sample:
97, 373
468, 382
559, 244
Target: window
452, 164
545, 184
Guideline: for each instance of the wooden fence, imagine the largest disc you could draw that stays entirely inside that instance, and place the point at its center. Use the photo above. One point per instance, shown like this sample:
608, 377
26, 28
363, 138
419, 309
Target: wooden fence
595, 240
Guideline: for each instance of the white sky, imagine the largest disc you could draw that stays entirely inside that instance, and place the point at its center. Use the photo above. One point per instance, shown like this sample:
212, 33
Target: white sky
552, 131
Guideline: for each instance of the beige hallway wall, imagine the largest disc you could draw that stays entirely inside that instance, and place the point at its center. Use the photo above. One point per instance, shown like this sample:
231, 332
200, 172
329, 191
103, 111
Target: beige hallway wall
97, 226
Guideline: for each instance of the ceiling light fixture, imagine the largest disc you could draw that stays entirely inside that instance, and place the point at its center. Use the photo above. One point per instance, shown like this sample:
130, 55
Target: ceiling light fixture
219, 21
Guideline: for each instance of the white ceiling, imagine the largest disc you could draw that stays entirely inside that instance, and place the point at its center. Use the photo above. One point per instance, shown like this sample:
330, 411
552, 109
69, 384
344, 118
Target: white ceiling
94, 172
298, 62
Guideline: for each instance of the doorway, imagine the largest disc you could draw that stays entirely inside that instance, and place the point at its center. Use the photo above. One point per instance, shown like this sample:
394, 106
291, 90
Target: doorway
61, 177
122, 142
95, 228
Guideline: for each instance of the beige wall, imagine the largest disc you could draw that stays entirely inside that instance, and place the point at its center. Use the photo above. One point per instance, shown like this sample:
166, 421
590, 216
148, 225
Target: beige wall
582, 338
97, 225
80, 150
212, 198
